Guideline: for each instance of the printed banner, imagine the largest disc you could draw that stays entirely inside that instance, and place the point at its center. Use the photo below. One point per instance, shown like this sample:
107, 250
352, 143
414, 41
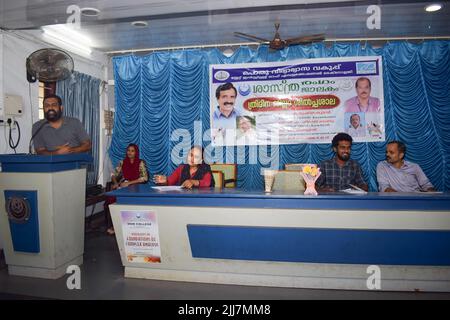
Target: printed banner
140, 236
303, 101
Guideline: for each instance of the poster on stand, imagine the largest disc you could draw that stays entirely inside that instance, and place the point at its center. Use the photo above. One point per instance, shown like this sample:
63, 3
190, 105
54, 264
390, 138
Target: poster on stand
141, 236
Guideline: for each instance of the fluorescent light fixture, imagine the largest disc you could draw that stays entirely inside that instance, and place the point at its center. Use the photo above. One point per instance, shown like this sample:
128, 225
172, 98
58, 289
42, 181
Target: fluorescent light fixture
433, 7
90, 12
139, 24
228, 52
67, 37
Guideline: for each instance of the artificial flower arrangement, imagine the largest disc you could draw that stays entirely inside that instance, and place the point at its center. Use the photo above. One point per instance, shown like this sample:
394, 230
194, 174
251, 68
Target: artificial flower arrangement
310, 174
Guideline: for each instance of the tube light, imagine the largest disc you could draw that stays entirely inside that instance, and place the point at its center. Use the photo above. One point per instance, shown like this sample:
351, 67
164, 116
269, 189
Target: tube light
433, 7
68, 38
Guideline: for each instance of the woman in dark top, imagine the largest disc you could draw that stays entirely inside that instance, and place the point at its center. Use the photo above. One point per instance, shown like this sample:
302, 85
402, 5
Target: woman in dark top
194, 174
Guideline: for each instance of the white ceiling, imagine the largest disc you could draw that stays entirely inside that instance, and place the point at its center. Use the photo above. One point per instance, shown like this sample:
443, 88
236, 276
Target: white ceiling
201, 22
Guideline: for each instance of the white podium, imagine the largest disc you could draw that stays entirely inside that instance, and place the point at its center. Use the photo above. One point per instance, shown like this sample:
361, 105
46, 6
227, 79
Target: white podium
42, 212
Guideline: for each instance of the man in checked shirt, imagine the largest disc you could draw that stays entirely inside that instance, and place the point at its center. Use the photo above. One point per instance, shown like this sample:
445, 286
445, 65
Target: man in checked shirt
340, 172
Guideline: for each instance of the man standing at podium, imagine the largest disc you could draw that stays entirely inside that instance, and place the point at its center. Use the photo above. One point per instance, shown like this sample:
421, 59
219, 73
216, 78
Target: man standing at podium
57, 134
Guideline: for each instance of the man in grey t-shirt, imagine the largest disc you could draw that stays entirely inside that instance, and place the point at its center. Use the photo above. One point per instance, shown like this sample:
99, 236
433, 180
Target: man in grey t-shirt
398, 175
57, 134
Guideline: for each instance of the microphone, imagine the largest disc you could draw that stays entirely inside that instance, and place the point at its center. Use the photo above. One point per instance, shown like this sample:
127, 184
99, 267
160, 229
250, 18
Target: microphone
34, 135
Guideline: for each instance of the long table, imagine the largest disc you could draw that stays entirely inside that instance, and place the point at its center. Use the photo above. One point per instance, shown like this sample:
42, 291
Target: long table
380, 241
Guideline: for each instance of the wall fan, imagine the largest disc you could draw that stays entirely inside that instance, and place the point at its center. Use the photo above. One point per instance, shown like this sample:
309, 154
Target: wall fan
49, 65
277, 43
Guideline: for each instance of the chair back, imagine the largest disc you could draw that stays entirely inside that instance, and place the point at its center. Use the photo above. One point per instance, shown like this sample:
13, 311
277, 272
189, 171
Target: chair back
293, 166
289, 180
229, 171
218, 179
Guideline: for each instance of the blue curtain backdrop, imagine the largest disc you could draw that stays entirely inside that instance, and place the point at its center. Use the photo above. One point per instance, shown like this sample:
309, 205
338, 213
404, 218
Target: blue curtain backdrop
160, 92
81, 100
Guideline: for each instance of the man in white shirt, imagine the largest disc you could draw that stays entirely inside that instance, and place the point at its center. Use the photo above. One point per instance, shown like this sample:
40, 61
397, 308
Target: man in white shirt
395, 174
356, 129
246, 133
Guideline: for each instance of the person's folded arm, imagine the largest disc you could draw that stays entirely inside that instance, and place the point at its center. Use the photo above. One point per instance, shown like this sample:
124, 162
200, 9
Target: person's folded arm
43, 151
85, 146
129, 183
64, 149
143, 178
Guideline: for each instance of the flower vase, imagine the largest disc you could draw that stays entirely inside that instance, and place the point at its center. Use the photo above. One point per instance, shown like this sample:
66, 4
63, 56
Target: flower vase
310, 180
311, 189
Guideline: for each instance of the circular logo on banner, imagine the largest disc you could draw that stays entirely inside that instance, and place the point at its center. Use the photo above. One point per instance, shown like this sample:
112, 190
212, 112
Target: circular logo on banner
346, 85
18, 209
244, 89
221, 75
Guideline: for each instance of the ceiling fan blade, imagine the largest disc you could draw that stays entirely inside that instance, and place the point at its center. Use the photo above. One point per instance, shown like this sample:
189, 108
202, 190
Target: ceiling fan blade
306, 39
240, 34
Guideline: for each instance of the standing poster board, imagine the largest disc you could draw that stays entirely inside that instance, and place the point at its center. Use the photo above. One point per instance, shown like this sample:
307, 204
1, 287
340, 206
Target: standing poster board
141, 236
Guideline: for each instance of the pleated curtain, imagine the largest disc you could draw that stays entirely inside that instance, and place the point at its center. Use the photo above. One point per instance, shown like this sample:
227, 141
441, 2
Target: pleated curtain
81, 100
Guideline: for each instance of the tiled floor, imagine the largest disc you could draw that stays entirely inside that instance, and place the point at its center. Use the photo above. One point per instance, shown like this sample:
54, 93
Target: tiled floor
102, 278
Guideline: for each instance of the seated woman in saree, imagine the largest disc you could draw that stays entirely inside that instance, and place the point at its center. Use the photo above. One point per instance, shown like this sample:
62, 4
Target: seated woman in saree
194, 174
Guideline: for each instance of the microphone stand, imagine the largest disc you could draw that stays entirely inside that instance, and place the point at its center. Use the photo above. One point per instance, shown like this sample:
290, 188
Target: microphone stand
34, 135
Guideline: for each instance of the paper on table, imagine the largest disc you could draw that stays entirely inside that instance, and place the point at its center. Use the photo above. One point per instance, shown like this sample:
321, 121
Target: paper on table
353, 191
356, 187
168, 188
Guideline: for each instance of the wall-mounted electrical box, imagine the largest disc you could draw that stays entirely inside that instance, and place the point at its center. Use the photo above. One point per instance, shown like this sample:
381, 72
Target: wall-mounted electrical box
13, 105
